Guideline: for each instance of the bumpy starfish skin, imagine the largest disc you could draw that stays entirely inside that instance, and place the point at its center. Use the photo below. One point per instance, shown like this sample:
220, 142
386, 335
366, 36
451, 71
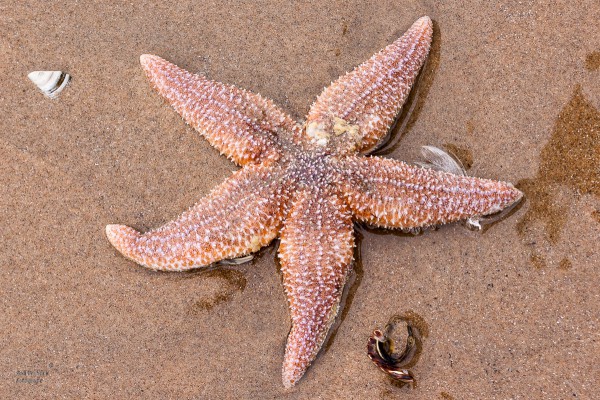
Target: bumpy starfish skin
316, 252
370, 97
238, 217
242, 125
305, 184
393, 194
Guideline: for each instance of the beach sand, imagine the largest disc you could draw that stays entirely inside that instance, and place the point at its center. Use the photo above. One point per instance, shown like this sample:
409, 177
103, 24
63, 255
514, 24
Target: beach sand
512, 312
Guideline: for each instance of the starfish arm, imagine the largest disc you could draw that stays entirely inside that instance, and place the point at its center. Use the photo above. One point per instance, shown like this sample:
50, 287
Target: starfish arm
242, 125
364, 103
393, 194
237, 218
316, 251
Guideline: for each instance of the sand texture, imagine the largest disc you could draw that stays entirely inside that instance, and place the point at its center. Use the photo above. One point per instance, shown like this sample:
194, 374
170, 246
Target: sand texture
513, 89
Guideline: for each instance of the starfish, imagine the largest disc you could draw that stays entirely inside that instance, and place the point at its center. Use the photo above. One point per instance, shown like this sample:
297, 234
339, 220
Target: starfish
305, 183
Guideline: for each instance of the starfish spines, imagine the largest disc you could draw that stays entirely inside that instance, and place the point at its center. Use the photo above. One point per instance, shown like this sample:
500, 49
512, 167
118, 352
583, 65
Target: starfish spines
393, 194
316, 251
237, 218
368, 98
242, 125
120, 236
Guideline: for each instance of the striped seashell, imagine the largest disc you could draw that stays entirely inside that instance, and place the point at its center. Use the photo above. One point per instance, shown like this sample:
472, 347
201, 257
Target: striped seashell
51, 83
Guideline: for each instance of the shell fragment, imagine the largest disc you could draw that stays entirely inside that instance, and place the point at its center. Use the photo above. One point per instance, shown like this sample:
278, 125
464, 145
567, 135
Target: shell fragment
51, 83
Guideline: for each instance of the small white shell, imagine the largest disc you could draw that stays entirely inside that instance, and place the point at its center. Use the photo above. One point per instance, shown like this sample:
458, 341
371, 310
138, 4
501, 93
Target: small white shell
237, 261
51, 83
441, 161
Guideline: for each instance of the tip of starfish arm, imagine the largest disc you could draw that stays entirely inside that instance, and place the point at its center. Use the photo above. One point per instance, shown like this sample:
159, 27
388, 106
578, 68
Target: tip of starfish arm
290, 376
516, 195
121, 237
512, 195
147, 59
300, 350
509, 197
424, 24
424, 20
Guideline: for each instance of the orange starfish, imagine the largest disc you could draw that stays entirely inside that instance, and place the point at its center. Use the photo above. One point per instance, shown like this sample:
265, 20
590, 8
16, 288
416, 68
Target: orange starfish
305, 183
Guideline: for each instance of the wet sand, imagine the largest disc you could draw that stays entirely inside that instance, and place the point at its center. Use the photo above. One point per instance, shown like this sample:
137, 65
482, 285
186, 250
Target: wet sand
511, 312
